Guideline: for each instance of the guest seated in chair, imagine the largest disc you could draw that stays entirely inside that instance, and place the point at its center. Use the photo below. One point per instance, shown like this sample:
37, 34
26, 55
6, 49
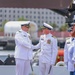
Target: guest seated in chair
10, 60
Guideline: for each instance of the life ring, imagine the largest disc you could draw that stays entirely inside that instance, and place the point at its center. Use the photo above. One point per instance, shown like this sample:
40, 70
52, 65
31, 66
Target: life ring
60, 63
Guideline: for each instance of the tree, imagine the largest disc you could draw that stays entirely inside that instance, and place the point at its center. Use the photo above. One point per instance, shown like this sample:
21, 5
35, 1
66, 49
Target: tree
54, 26
22, 19
63, 27
3, 23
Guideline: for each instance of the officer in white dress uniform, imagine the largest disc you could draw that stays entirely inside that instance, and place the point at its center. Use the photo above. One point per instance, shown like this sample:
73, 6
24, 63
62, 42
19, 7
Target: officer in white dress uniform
69, 50
23, 51
48, 46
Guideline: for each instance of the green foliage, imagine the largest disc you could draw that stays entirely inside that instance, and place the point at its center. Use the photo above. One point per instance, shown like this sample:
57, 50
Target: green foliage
22, 19
54, 26
40, 28
3, 23
1, 29
63, 27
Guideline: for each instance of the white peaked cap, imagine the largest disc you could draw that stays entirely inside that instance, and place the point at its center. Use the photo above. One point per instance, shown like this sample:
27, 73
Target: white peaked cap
25, 23
47, 26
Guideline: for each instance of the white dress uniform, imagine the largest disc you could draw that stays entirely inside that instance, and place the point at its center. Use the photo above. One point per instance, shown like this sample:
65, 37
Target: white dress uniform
23, 53
48, 53
69, 53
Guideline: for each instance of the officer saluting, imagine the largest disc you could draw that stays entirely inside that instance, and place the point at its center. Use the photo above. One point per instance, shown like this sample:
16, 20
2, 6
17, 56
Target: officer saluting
69, 50
23, 52
48, 46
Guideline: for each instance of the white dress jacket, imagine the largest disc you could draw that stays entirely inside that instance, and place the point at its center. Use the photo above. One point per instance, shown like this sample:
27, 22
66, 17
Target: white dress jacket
23, 45
69, 53
48, 50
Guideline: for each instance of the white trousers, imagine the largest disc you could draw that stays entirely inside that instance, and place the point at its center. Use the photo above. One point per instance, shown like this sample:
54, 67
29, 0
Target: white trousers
44, 68
22, 67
